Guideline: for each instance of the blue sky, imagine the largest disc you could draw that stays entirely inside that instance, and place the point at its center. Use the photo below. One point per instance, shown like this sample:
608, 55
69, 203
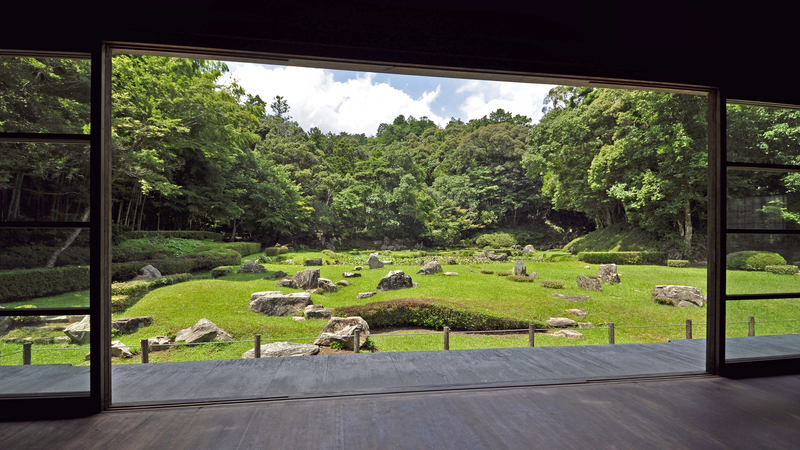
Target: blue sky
357, 102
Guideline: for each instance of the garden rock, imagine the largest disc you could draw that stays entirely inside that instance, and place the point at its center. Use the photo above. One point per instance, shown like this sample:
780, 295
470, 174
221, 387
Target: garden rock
500, 257
276, 303
158, 343
306, 279
287, 282
327, 285
572, 298
351, 275
365, 295
120, 350
341, 329
560, 322
451, 274
387, 262
148, 273
281, 349
608, 274
589, 283
452, 262
343, 283
681, 296
79, 332
520, 269
5, 323
313, 262
358, 268
57, 319
203, 331
277, 275
251, 267
572, 334
317, 312
430, 268
578, 312
290, 262
374, 262
128, 325
396, 279
528, 250
75, 318
299, 319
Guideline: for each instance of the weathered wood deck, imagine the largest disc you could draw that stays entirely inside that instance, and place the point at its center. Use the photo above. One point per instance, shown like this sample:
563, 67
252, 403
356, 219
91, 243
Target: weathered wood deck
368, 373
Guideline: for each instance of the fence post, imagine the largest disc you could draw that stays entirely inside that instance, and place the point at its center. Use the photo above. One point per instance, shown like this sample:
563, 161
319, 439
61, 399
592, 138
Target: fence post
447, 338
610, 332
356, 340
257, 347
688, 328
26, 353
145, 351
531, 341
751, 322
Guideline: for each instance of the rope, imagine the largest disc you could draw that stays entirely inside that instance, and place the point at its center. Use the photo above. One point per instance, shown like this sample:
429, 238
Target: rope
9, 354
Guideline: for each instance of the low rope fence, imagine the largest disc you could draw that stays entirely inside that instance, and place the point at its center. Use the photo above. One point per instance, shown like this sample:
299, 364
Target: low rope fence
145, 346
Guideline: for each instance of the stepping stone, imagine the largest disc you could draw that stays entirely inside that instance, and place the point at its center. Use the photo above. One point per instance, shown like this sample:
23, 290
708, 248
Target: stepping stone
571, 298
572, 334
578, 312
560, 322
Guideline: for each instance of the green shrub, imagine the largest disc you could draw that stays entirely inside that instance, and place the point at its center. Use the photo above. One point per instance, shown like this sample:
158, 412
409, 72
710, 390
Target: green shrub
622, 257
782, 269
36, 256
180, 234
753, 260
26, 320
495, 240
336, 345
553, 284
206, 260
504, 273
209, 259
677, 263
242, 248
284, 250
521, 279
128, 293
272, 251
427, 313
221, 271
36, 283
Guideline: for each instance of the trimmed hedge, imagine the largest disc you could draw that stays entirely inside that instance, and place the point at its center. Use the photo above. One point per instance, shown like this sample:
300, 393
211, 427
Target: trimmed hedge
36, 256
504, 240
221, 271
197, 261
677, 263
426, 313
782, 269
180, 234
521, 279
242, 248
753, 260
272, 251
138, 288
36, 283
283, 250
553, 284
622, 257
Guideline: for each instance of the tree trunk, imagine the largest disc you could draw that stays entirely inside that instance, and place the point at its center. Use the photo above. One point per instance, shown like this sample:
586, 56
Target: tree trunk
68, 242
141, 215
233, 233
687, 218
13, 206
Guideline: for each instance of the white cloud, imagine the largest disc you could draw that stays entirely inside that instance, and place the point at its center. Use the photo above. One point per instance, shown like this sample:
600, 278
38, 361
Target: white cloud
517, 98
315, 99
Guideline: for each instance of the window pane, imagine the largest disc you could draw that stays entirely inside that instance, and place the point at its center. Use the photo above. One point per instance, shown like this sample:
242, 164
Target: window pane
763, 200
44, 95
762, 263
46, 268
44, 182
763, 135
772, 331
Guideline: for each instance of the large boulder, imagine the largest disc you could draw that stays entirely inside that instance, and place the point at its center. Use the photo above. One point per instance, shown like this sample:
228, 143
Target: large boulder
681, 296
317, 312
396, 279
341, 329
313, 262
79, 332
287, 283
608, 274
374, 262
279, 349
589, 283
128, 325
148, 273
500, 257
327, 285
519, 268
203, 331
251, 267
528, 250
276, 276
120, 350
430, 268
276, 303
306, 279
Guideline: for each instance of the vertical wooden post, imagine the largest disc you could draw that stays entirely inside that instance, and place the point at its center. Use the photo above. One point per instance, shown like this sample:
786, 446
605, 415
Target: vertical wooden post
531, 330
688, 328
257, 348
356, 340
26, 353
610, 332
145, 351
751, 329
447, 338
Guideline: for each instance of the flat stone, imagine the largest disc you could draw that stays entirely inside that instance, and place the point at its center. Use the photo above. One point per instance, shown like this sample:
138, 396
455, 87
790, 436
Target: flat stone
358, 268
343, 283
120, 350
321, 313
451, 274
57, 319
276, 303
572, 298
61, 340
560, 322
299, 319
589, 283
129, 325
351, 275
578, 312
44, 340
365, 294
283, 349
572, 334
681, 296
158, 343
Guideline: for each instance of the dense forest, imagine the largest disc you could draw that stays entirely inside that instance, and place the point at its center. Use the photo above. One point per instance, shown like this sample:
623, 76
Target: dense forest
192, 153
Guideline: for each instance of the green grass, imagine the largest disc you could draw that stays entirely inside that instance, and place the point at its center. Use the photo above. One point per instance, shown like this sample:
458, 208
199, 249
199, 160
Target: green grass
615, 238
225, 301
79, 299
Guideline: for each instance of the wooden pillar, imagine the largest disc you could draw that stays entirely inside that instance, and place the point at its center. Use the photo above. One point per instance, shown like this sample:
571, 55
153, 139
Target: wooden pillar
356, 340
447, 338
531, 330
145, 351
611, 332
257, 348
751, 326
688, 328
26, 353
